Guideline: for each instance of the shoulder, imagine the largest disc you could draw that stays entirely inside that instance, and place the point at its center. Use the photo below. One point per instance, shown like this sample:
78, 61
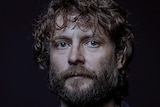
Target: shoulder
124, 104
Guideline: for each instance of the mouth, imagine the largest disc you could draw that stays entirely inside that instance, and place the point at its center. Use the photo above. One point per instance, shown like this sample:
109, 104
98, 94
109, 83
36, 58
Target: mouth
79, 76
78, 82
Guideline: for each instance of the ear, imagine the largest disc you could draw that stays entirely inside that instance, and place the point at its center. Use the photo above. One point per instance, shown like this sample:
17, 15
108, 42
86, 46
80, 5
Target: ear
120, 60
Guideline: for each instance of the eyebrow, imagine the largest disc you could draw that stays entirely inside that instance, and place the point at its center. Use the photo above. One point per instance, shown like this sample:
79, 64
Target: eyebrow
60, 37
82, 37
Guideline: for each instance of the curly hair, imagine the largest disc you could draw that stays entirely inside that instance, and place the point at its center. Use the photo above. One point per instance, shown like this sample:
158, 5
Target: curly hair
105, 13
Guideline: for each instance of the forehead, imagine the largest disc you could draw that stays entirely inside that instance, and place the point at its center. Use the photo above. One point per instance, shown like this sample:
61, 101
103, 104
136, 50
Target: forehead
63, 21
74, 20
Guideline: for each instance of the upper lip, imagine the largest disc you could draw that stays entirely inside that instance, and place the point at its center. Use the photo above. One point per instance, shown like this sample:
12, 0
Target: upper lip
78, 75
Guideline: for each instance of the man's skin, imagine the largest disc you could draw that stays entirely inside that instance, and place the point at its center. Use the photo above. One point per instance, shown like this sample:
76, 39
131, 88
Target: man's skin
72, 46
86, 45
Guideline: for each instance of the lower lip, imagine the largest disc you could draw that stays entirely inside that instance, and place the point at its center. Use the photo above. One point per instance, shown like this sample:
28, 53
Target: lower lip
77, 77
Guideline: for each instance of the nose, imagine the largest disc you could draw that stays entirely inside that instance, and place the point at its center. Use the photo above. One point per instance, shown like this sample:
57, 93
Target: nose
76, 56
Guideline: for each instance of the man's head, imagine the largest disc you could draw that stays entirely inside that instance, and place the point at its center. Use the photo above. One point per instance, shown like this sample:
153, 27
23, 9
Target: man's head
86, 45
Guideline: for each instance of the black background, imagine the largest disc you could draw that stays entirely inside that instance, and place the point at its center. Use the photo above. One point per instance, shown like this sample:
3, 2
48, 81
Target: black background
22, 84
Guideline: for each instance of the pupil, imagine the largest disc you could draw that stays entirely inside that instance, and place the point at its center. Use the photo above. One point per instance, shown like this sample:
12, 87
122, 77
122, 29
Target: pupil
63, 44
93, 42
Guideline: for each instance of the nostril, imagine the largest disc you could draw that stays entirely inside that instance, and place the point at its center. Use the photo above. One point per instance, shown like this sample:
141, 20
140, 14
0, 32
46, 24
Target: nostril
75, 62
72, 62
76, 59
76, 56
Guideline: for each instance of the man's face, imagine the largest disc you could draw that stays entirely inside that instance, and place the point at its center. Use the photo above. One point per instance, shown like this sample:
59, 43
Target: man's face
82, 65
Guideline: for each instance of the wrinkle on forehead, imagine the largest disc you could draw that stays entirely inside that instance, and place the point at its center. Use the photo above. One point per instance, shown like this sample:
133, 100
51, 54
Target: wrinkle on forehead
80, 20
75, 20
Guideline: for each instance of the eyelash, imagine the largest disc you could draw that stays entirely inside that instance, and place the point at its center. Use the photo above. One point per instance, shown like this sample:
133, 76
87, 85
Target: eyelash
88, 43
95, 45
61, 45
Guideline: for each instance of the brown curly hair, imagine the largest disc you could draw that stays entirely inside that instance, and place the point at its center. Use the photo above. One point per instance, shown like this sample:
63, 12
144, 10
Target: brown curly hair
105, 13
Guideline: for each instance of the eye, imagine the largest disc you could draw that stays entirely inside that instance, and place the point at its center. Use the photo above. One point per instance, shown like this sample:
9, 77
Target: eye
61, 45
92, 44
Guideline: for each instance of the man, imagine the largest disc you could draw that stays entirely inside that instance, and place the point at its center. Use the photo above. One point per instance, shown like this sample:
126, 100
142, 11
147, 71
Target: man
86, 45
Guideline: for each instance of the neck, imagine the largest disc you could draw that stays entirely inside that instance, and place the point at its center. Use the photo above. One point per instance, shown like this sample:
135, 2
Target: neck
110, 103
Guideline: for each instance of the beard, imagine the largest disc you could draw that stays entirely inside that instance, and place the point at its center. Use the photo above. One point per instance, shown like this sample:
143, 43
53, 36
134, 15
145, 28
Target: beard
102, 88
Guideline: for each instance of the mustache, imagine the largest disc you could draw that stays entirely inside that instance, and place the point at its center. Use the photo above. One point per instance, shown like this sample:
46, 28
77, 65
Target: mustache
77, 70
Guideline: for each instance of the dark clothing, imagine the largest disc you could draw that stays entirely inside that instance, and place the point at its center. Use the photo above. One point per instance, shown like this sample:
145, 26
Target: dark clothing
124, 104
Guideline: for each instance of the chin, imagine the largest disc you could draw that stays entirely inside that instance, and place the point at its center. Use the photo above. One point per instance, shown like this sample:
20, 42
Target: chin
78, 84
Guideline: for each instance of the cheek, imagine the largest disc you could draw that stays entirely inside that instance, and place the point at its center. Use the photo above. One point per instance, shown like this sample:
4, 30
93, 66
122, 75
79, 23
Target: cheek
94, 59
59, 61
